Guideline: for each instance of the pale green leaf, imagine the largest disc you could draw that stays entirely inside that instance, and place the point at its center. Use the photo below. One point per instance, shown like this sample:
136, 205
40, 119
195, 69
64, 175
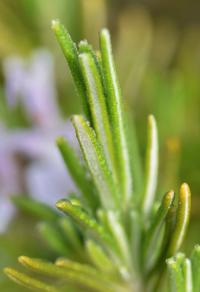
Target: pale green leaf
135, 238
75, 277
83, 219
99, 258
187, 274
152, 233
182, 220
95, 159
84, 47
120, 237
135, 160
29, 282
53, 237
77, 171
70, 233
116, 114
151, 166
175, 272
98, 108
195, 258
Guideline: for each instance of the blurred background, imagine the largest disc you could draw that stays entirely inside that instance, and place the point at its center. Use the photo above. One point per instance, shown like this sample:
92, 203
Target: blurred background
157, 52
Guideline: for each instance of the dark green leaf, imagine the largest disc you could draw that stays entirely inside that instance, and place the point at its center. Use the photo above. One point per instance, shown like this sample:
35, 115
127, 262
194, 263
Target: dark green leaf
71, 54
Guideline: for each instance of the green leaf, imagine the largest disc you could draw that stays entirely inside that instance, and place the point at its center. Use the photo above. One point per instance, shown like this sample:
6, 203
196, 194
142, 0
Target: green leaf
81, 269
84, 47
151, 166
175, 272
53, 237
99, 257
116, 114
152, 233
29, 282
36, 208
70, 233
83, 219
135, 160
98, 108
95, 159
187, 274
195, 258
71, 54
75, 277
85, 271
120, 237
182, 219
180, 273
135, 238
77, 171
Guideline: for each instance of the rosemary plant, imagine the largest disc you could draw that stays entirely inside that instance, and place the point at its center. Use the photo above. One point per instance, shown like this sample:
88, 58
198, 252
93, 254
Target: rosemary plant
115, 236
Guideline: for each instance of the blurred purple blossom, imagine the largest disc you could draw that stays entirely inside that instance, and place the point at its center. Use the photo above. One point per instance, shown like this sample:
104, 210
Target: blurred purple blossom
29, 160
32, 82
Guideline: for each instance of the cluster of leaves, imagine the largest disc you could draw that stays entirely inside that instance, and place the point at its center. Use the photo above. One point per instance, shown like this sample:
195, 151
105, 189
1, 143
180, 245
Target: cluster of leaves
116, 236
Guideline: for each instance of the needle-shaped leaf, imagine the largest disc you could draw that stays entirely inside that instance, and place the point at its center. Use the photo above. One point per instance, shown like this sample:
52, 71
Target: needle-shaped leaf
29, 282
195, 258
175, 272
182, 219
77, 278
96, 161
151, 171
85, 271
71, 54
77, 171
70, 232
116, 114
135, 238
82, 269
120, 237
77, 267
98, 108
83, 219
53, 237
187, 274
35, 208
85, 47
169, 227
99, 257
135, 159
152, 234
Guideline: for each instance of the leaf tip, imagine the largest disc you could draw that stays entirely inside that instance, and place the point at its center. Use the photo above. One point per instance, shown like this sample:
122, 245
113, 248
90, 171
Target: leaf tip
62, 204
151, 119
11, 273
7, 271
23, 260
60, 140
169, 198
185, 192
55, 23
105, 32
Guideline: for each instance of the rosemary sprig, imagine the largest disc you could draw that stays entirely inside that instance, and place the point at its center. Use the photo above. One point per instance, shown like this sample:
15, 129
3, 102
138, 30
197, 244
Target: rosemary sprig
112, 237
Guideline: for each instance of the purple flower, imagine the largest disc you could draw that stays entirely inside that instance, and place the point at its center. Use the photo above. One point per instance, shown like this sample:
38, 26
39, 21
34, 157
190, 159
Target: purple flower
29, 160
32, 82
